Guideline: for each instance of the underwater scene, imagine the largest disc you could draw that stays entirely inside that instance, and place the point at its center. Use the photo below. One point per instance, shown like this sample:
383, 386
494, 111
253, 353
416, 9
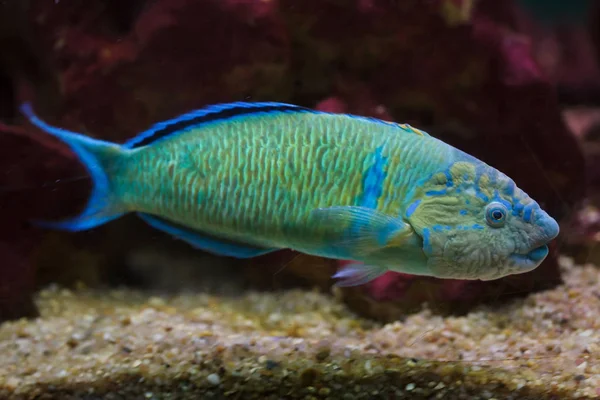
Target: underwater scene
300, 199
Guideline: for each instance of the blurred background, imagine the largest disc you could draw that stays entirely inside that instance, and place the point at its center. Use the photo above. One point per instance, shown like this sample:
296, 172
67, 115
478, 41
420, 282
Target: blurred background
516, 83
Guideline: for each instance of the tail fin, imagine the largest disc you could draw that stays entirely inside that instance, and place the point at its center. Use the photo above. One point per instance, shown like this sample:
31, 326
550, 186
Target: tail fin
95, 155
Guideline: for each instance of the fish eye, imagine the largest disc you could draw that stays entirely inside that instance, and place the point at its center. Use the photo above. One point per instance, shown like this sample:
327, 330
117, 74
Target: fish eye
495, 214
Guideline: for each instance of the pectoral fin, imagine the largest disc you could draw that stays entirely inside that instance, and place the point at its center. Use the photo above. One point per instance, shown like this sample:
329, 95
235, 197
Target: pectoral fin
364, 230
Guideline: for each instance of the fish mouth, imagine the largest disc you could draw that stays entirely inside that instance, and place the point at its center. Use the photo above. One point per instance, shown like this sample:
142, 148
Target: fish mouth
519, 263
526, 262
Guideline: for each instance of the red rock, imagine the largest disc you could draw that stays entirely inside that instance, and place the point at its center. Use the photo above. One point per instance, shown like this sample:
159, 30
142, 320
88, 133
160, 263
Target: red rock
224, 51
566, 49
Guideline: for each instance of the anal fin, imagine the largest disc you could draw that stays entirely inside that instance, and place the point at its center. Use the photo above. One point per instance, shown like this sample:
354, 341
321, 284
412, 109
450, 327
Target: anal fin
206, 243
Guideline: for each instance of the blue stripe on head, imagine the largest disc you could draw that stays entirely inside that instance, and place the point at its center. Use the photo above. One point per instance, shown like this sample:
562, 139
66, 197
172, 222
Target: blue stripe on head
509, 189
436, 192
449, 181
517, 207
412, 208
482, 196
528, 211
499, 199
463, 212
427, 241
479, 170
373, 180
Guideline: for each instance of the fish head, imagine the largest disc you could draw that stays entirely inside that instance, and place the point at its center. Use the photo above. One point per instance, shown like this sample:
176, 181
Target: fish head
476, 224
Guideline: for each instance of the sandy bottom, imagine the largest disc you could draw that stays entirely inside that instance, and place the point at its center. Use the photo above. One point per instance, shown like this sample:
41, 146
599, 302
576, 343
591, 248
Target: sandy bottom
298, 344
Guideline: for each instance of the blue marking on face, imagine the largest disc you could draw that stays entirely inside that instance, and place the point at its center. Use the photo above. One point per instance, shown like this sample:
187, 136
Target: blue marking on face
373, 180
499, 199
527, 212
449, 182
463, 212
509, 190
411, 209
483, 196
427, 241
517, 208
436, 192
437, 228
479, 171
477, 227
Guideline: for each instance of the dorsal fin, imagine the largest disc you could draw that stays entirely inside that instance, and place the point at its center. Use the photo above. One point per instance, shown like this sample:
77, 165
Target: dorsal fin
225, 111
412, 129
208, 114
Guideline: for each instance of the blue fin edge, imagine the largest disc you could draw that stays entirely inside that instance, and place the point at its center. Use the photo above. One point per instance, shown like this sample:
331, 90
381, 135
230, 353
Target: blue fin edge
205, 243
99, 208
197, 118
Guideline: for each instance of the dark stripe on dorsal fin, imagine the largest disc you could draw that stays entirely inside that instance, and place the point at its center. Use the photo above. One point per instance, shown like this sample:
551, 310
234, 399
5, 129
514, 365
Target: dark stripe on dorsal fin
212, 113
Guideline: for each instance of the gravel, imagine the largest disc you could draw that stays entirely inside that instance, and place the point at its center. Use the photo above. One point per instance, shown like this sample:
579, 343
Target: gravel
90, 344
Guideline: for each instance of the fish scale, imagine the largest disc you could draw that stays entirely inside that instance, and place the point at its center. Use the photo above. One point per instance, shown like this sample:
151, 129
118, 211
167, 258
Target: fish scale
261, 169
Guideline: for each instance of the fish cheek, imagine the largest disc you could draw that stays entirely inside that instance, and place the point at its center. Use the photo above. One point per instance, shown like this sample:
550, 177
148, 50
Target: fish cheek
434, 244
458, 257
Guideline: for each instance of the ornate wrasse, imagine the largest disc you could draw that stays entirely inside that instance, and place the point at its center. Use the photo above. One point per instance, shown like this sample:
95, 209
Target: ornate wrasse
245, 179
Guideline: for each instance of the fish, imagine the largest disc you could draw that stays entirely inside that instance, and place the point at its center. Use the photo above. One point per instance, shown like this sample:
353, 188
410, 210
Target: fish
244, 179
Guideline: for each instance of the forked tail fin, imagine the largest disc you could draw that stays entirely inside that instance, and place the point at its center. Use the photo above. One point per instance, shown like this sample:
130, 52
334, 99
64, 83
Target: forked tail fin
97, 156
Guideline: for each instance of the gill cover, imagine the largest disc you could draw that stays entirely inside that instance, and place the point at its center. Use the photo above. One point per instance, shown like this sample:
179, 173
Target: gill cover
448, 214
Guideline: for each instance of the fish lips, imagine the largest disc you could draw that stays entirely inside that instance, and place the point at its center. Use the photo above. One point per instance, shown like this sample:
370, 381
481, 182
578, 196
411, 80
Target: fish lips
530, 260
521, 263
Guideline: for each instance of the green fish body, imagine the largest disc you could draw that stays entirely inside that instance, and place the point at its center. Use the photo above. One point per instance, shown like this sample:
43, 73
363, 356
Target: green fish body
245, 179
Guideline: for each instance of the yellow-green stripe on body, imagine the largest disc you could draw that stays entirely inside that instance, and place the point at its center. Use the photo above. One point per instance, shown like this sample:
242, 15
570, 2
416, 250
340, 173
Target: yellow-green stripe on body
257, 178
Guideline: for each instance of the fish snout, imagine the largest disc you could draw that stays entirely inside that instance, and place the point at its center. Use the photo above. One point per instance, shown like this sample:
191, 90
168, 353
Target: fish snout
549, 226
535, 250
